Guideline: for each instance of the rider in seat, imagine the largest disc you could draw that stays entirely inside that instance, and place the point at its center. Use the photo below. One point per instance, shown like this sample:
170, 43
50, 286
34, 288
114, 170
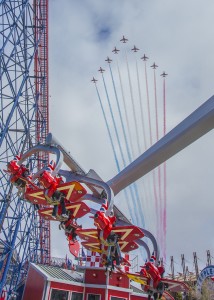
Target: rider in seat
51, 183
104, 225
155, 274
18, 172
70, 227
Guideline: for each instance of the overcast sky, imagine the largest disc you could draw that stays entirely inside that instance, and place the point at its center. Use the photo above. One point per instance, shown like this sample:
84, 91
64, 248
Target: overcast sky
178, 36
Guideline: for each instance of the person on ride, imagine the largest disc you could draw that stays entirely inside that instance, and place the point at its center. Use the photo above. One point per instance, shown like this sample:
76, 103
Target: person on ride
153, 271
103, 223
70, 227
153, 279
51, 183
143, 272
18, 172
114, 260
145, 287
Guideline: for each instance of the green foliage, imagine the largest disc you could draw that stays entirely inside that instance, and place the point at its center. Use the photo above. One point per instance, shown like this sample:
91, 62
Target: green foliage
178, 296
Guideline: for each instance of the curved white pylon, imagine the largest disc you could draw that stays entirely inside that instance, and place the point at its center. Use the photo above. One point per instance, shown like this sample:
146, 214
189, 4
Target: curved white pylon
188, 131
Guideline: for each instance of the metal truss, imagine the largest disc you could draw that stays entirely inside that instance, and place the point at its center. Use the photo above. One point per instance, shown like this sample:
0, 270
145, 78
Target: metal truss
23, 124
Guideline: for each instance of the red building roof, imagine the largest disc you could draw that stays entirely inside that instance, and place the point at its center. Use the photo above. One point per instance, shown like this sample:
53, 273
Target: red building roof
54, 283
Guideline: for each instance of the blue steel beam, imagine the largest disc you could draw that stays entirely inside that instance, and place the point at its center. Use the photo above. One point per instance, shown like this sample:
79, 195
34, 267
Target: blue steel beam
21, 116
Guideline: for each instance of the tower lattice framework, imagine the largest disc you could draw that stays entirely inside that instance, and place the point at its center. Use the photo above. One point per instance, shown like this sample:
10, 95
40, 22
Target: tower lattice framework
23, 123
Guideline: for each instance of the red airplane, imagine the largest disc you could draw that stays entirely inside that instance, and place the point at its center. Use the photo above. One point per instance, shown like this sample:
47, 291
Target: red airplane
124, 40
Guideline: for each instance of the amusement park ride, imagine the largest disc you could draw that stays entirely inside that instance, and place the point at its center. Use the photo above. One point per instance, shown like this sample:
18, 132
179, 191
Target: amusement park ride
48, 193
63, 201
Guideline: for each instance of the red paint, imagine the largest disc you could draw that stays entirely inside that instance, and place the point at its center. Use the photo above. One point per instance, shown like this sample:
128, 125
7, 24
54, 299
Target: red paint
93, 276
67, 287
41, 70
34, 285
117, 279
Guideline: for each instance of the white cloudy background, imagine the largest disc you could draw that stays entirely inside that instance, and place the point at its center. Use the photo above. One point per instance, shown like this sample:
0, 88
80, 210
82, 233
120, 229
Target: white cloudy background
178, 36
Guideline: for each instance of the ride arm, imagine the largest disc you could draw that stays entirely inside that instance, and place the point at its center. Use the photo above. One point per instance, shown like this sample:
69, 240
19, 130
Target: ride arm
188, 131
48, 149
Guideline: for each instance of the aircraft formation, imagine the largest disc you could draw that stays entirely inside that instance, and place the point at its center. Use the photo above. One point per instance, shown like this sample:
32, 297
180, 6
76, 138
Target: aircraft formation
59, 196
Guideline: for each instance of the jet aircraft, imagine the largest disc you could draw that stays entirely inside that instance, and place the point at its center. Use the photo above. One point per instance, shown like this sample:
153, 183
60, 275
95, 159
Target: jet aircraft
135, 49
115, 50
124, 40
